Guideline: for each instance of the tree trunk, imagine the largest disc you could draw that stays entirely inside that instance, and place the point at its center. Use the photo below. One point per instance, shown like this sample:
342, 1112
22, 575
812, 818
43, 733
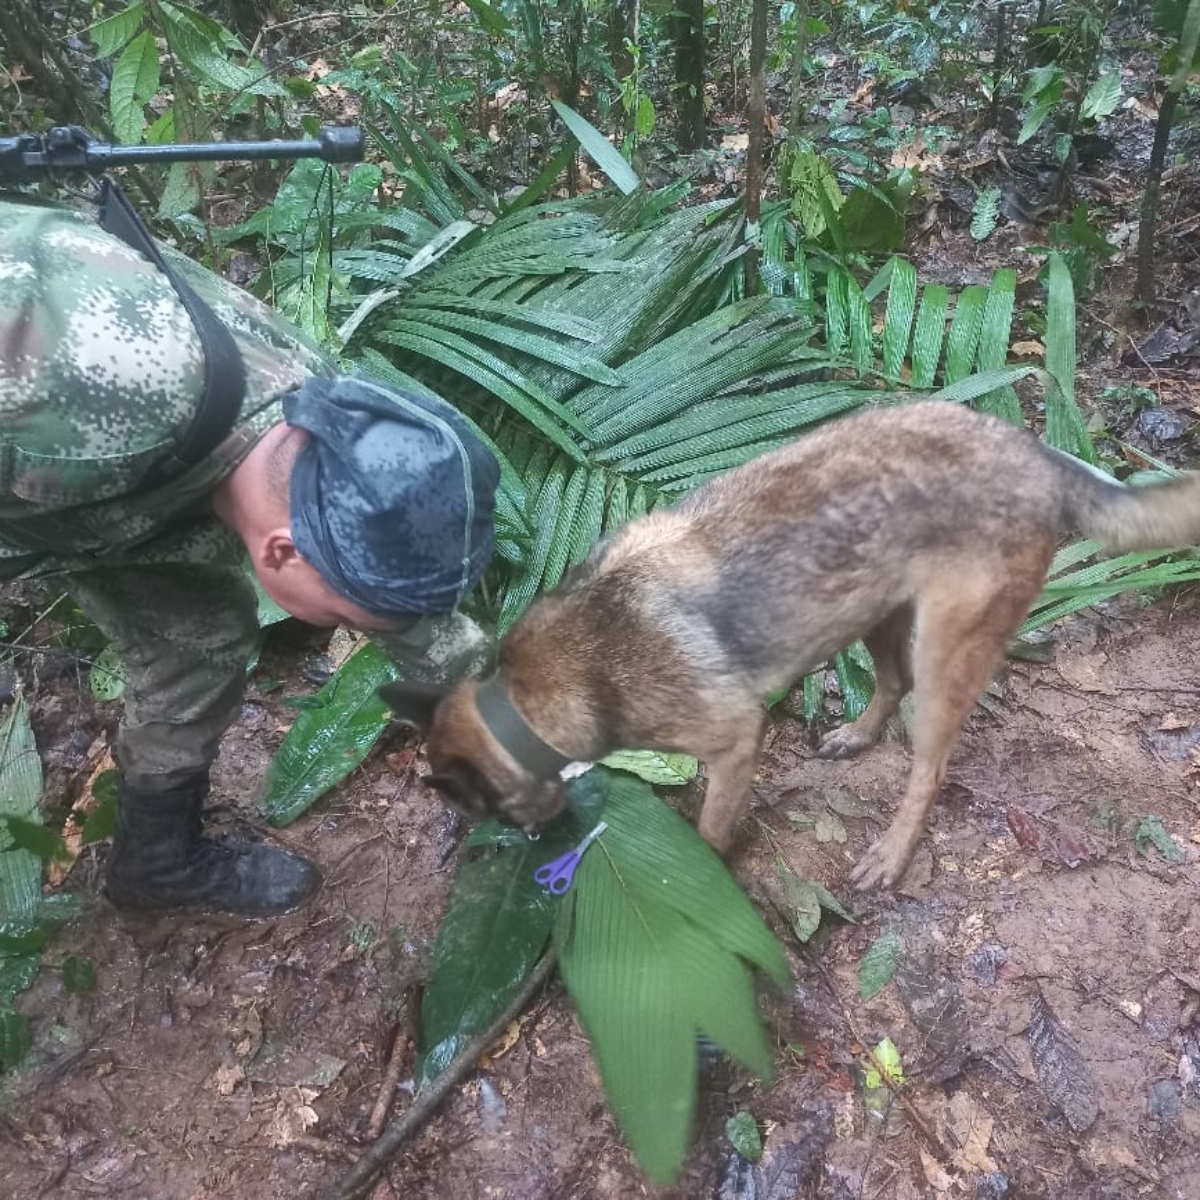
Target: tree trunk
688, 35
1148, 224
755, 118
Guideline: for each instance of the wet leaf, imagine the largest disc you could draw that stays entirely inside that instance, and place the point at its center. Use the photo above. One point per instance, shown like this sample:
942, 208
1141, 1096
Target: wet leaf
934, 1002
655, 941
495, 929
78, 974
742, 1131
1064, 1077
328, 741
14, 1039
878, 964
1152, 832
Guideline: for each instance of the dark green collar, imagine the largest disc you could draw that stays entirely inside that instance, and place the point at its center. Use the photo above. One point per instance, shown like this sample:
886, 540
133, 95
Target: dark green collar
508, 727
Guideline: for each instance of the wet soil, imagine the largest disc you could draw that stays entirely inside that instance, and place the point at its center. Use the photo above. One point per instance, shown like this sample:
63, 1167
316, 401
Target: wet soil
1047, 1009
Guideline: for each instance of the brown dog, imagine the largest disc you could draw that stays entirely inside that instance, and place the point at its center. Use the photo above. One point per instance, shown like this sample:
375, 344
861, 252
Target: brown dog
926, 530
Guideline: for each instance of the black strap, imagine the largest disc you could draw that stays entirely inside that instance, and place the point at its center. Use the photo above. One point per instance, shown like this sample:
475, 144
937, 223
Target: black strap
224, 372
509, 728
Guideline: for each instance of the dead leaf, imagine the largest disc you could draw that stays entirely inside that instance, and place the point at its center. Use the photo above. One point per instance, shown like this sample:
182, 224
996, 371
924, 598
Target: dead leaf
847, 803
971, 1126
501, 1046
735, 141
1029, 350
1024, 828
58, 869
935, 1174
934, 1002
227, 1077
293, 1117
1170, 723
829, 828
251, 1033
1064, 1077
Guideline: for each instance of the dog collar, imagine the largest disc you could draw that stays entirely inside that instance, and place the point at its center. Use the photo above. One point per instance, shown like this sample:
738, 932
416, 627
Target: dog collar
510, 729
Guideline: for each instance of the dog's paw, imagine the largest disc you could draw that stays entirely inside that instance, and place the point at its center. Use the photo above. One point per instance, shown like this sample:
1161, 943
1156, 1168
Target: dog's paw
883, 865
845, 742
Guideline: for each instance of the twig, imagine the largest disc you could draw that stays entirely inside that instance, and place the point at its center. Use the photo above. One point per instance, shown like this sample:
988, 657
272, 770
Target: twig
356, 1184
404, 1038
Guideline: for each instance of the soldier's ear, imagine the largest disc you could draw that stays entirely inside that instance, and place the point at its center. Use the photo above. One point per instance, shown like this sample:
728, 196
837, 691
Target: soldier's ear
414, 703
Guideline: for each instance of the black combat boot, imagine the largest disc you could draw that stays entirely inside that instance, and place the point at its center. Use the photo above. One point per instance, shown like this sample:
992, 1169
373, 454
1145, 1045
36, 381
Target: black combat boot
159, 860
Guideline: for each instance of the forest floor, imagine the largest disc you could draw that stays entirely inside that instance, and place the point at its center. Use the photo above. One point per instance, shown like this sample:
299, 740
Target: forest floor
1047, 1012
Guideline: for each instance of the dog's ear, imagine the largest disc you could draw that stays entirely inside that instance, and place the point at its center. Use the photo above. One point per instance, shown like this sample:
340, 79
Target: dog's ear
465, 787
414, 703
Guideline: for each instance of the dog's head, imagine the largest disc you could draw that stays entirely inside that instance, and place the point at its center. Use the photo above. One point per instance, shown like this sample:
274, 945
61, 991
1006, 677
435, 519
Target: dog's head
471, 771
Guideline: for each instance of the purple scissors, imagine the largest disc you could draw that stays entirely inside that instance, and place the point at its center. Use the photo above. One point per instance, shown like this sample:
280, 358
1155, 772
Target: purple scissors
556, 875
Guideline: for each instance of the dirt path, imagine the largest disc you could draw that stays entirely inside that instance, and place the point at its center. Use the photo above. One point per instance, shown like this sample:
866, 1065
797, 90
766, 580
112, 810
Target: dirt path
219, 1061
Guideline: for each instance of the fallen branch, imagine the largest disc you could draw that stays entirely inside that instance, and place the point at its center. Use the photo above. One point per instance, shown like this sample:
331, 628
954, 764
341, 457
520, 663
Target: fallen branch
405, 1036
359, 1181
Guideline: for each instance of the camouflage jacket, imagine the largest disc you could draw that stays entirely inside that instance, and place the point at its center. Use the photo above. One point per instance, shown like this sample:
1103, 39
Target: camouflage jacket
100, 374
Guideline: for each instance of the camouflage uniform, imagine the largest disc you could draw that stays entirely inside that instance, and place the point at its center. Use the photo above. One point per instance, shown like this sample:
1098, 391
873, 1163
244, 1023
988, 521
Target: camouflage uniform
100, 373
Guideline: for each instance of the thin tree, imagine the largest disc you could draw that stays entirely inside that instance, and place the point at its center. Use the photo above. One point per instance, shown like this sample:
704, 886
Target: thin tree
687, 28
1148, 225
756, 120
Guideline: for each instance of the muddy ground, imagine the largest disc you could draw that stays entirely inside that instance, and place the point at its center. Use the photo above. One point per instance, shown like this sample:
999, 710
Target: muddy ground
1047, 1009
216, 1060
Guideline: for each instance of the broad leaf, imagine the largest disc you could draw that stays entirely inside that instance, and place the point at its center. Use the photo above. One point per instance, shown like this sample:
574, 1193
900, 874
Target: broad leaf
654, 942
329, 739
666, 770
134, 83
495, 928
606, 155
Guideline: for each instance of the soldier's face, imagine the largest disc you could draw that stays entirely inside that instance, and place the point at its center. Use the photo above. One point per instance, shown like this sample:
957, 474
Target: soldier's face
298, 588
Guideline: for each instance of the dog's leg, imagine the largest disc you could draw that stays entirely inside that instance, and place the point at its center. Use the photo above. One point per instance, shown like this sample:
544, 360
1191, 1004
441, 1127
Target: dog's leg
964, 623
730, 776
890, 647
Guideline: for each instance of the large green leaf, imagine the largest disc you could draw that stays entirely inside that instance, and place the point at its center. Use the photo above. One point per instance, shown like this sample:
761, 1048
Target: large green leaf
1065, 426
495, 927
134, 82
654, 941
330, 737
607, 156
20, 789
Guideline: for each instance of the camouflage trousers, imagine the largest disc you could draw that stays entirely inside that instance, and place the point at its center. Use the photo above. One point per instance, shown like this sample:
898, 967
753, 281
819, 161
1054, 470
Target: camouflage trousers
186, 632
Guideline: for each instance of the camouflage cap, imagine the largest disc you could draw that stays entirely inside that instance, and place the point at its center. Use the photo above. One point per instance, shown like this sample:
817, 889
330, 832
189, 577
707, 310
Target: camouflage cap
391, 497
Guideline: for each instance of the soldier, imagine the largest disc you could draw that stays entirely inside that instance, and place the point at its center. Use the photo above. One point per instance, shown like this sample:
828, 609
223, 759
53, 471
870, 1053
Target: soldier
353, 502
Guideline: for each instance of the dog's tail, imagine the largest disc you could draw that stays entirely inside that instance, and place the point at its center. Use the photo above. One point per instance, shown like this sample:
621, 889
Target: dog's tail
1122, 518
